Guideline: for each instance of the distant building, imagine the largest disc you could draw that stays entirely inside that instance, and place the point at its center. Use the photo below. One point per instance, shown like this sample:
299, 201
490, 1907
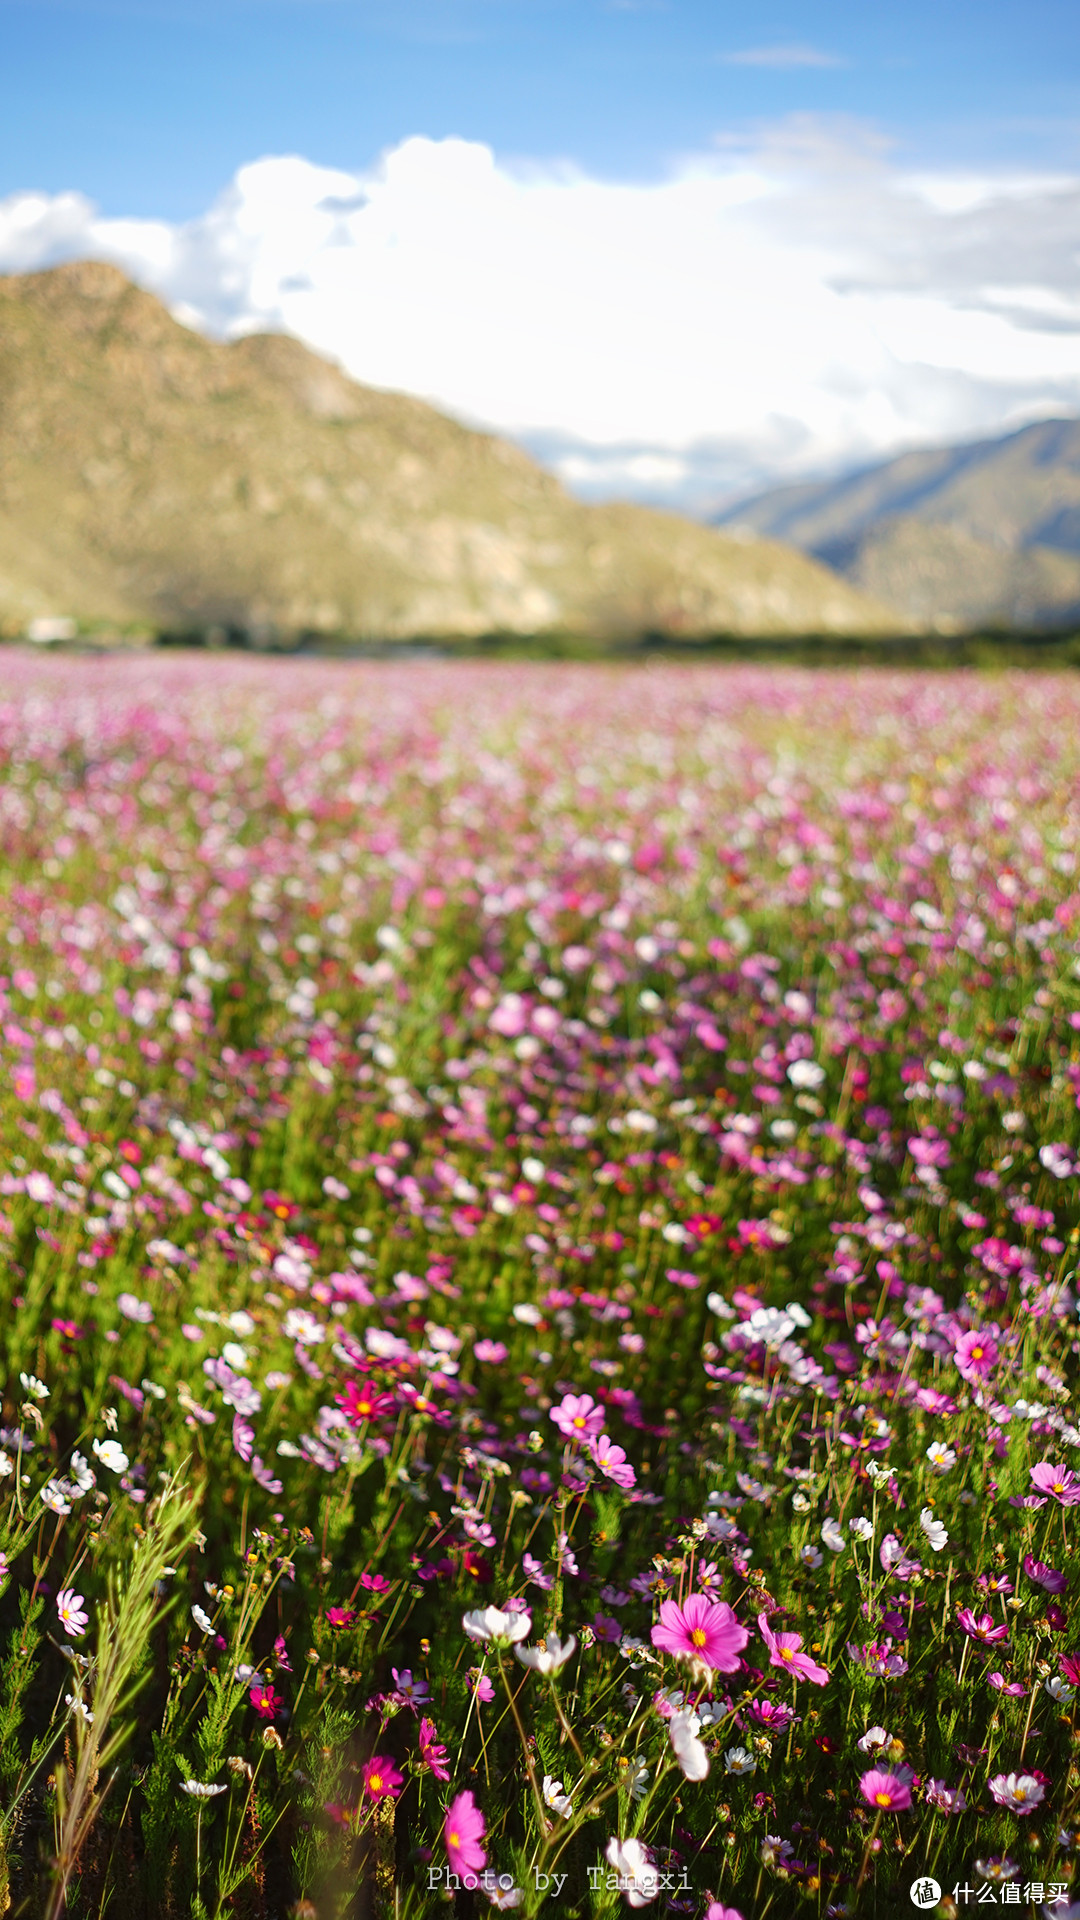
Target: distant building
49, 628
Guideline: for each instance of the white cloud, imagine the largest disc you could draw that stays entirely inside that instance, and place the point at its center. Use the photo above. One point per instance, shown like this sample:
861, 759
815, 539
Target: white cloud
767, 311
783, 59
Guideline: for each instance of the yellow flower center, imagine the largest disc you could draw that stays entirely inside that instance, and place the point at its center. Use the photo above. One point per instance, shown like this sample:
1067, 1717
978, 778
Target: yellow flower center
375, 1783
787, 1653
578, 1420
882, 1800
976, 1353
698, 1636
454, 1839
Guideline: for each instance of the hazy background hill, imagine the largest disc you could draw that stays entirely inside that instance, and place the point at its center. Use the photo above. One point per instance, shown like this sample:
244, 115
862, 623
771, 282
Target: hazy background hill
961, 536
150, 477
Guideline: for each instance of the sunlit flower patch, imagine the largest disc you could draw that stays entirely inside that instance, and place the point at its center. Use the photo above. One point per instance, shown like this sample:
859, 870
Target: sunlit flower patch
539, 1214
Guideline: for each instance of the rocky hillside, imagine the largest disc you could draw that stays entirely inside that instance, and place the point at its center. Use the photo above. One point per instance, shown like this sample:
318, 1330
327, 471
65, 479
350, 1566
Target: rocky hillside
987, 534
151, 479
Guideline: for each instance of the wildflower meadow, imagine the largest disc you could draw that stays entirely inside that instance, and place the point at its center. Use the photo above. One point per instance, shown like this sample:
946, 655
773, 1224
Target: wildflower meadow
540, 1211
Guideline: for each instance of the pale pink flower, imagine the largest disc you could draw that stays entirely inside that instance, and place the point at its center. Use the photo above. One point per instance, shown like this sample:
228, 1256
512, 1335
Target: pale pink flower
578, 1416
612, 1461
71, 1608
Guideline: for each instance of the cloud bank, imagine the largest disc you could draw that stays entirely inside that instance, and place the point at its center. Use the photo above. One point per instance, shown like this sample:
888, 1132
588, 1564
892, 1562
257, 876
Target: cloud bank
770, 311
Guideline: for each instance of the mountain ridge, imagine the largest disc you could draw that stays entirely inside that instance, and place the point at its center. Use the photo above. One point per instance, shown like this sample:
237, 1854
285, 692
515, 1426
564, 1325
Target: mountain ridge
983, 533
151, 478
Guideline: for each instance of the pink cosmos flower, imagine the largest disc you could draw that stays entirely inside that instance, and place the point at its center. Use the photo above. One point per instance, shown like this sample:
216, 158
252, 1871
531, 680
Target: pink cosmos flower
340, 1616
1001, 1685
976, 1355
889, 1791
612, 1461
717, 1911
491, 1353
432, 1755
1043, 1575
1062, 1485
479, 1684
981, 1628
71, 1608
784, 1652
703, 1630
463, 1830
578, 1416
381, 1779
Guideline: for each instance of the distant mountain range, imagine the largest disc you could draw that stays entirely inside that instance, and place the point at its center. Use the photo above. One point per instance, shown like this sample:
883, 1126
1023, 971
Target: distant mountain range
151, 479
962, 537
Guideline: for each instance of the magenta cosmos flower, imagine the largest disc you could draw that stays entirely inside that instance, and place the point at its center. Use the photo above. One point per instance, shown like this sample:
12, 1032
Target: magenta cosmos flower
463, 1831
1044, 1576
381, 1779
1062, 1485
432, 1752
784, 1652
976, 1355
889, 1791
981, 1627
704, 1630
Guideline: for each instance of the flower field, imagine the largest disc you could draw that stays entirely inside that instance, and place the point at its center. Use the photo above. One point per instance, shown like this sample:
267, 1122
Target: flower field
540, 1210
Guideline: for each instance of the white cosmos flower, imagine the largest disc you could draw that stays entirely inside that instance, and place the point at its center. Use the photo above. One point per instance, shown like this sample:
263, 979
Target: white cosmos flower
202, 1620
33, 1386
199, 1791
491, 1623
833, 1535
638, 1878
940, 1456
79, 1708
872, 1739
935, 1531
112, 1455
738, 1760
688, 1750
82, 1473
1058, 1689
810, 1557
862, 1529
637, 1778
549, 1657
54, 1495
805, 1073
555, 1798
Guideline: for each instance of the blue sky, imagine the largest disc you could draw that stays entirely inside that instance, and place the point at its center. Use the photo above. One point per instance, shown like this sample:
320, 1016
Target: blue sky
148, 106
679, 250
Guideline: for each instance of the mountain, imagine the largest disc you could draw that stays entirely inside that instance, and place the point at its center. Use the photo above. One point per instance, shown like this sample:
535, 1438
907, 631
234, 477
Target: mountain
153, 479
986, 534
